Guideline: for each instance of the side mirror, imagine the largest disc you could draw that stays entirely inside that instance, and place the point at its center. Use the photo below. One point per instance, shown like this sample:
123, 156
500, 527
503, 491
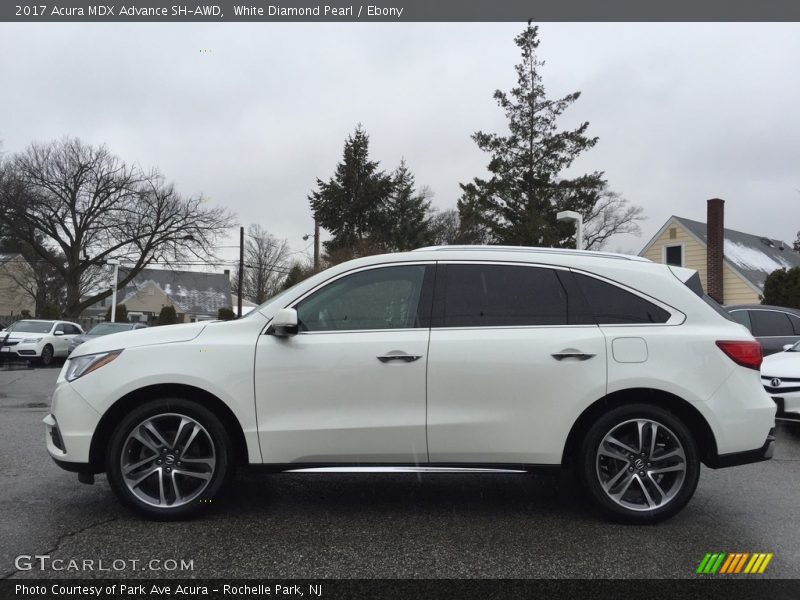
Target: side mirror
58, 332
787, 347
284, 323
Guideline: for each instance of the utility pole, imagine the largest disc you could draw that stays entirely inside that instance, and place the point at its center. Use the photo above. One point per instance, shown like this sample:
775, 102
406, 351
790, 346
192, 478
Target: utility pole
115, 262
241, 270
316, 245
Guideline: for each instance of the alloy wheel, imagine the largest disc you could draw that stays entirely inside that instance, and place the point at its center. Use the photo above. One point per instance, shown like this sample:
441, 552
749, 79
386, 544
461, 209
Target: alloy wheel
168, 460
641, 465
47, 356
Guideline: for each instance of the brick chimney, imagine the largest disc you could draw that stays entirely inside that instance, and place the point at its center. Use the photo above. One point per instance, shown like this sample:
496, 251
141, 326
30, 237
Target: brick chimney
715, 235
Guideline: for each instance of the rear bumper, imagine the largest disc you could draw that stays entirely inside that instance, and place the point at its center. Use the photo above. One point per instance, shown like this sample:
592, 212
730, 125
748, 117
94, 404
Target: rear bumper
733, 459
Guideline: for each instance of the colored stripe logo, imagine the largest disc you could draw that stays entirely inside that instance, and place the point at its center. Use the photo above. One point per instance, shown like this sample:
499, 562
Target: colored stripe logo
734, 563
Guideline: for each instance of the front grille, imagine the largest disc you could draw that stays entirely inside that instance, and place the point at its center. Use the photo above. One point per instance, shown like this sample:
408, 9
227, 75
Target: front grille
9, 343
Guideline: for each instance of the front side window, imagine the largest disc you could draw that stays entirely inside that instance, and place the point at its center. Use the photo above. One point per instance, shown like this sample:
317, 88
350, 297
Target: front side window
382, 298
795, 323
612, 305
770, 323
502, 296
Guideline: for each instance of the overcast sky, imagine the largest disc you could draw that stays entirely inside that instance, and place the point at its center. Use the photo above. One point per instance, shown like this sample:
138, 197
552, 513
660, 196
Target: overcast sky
684, 112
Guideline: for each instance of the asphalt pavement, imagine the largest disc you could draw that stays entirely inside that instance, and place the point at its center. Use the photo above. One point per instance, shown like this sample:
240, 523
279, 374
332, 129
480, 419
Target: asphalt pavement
374, 525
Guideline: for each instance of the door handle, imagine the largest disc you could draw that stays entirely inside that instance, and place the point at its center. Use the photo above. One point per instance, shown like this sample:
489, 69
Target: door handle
570, 353
398, 355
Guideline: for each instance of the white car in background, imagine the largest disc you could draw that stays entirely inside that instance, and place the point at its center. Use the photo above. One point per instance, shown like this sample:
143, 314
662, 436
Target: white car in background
780, 374
450, 358
38, 340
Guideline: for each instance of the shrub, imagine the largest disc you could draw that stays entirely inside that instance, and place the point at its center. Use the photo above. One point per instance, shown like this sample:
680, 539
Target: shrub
25, 313
167, 316
226, 314
121, 316
51, 311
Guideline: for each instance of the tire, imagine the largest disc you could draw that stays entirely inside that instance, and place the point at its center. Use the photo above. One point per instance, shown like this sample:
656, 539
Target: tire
642, 488
46, 358
193, 468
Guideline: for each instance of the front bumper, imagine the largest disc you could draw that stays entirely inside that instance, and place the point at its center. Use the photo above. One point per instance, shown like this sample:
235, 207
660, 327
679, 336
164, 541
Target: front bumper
733, 459
788, 407
72, 422
21, 350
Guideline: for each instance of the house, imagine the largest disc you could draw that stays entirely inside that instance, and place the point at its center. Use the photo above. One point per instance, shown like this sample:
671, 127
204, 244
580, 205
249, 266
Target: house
17, 287
196, 296
732, 265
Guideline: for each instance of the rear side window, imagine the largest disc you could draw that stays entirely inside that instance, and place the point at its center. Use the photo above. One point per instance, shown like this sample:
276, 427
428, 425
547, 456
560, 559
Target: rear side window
795, 323
613, 305
770, 323
743, 317
502, 295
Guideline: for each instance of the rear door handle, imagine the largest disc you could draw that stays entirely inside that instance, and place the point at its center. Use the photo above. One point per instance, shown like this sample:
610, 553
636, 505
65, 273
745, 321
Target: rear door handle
398, 355
570, 353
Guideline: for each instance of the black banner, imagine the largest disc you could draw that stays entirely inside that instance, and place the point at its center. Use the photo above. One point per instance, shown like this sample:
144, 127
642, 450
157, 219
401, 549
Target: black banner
716, 588
402, 11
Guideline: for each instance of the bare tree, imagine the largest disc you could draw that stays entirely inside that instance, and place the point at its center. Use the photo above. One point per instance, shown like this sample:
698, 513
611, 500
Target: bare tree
610, 215
266, 265
77, 205
445, 227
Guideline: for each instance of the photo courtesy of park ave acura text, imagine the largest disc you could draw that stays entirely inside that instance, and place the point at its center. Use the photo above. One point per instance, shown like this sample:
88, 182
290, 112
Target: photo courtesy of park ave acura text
421, 299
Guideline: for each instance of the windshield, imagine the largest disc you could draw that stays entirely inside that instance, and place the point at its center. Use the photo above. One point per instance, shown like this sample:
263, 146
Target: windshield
31, 327
106, 328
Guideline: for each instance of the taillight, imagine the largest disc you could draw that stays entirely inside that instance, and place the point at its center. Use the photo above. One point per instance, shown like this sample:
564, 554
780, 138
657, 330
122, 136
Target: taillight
746, 354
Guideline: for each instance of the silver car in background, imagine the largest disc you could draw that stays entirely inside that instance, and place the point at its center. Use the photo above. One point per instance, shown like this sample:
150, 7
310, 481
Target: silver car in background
102, 329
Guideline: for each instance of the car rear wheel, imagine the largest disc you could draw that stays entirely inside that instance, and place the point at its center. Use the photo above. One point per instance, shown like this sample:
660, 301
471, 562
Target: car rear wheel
169, 458
639, 463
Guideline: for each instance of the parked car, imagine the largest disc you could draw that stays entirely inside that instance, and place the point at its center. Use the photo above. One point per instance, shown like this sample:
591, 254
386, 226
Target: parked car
38, 340
102, 329
780, 375
490, 357
773, 326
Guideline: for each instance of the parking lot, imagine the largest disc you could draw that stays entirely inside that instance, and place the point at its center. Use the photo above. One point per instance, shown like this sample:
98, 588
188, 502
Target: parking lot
384, 525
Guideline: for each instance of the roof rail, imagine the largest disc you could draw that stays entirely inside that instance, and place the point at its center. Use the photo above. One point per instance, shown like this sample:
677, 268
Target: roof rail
534, 249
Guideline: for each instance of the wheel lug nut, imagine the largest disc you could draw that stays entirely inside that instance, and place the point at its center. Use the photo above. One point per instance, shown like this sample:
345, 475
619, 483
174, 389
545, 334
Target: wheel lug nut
630, 469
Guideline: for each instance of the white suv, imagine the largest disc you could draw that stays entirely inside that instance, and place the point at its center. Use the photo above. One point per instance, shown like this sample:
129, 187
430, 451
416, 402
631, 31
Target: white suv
468, 357
39, 340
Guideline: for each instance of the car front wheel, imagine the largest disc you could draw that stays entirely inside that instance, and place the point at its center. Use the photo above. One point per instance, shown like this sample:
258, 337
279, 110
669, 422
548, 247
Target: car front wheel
639, 463
169, 458
46, 358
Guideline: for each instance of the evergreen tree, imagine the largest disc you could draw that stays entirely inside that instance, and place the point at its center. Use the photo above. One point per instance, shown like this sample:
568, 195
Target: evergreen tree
782, 288
167, 316
121, 314
517, 205
352, 204
407, 213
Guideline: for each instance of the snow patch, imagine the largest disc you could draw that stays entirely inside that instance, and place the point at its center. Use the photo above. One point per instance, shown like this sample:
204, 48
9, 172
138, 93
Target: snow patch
752, 259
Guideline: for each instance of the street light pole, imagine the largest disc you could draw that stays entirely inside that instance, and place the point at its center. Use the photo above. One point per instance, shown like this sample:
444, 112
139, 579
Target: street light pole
568, 216
115, 262
316, 245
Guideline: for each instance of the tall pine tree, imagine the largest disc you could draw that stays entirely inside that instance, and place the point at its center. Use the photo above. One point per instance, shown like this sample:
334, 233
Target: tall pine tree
517, 205
407, 213
352, 204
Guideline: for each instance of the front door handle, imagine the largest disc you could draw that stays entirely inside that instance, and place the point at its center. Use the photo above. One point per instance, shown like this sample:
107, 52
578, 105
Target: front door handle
398, 355
570, 353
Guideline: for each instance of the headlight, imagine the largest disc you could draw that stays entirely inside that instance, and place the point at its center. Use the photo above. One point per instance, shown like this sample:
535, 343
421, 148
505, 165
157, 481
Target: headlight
80, 366
31, 340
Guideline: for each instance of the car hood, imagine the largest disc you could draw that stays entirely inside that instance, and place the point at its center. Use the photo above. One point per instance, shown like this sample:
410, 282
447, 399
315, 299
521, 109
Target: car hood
782, 364
165, 334
20, 335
